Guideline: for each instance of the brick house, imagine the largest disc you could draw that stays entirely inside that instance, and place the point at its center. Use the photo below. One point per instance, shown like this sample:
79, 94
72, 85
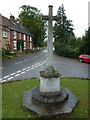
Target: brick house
12, 32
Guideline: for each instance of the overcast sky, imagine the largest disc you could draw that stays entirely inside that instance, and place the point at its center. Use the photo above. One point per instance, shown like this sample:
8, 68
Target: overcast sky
76, 10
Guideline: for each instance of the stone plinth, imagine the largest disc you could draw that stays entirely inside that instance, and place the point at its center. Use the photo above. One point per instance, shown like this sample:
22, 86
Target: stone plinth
49, 85
49, 81
49, 99
46, 106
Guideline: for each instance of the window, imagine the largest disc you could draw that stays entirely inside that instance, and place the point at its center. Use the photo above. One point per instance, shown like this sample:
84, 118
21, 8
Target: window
19, 35
5, 34
14, 34
27, 38
15, 45
24, 45
24, 37
30, 39
30, 45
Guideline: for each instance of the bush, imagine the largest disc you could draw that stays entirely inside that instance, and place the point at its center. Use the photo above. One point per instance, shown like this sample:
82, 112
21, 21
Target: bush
27, 51
8, 57
67, 50
3, 52
7, 52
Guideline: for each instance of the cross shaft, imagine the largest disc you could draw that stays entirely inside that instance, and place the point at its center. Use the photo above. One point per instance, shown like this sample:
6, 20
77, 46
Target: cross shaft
50, 18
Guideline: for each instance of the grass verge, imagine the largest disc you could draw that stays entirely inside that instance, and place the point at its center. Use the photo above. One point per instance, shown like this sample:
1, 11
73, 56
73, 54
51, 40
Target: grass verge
13, 95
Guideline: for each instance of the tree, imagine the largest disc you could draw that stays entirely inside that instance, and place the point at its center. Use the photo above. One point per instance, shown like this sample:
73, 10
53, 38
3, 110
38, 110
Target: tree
63, 27
63, 33
85, 43
31, 17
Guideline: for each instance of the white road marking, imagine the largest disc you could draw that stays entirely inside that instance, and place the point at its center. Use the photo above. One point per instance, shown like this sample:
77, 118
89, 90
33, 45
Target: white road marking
10, 78
22, 73
3, 81
41, 64
28, 70
28, 67
24, 69
6, 76
21, 61
18, 62
32, 68
33, 65
18, 71
17, 75
12, 73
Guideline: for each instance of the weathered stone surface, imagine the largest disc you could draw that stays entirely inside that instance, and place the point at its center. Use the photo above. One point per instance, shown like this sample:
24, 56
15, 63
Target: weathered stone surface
48, 85
51, 98
50, 72
46, 108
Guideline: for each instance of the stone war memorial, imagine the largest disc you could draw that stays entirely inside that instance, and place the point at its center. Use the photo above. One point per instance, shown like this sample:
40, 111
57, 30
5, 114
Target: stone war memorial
49, 99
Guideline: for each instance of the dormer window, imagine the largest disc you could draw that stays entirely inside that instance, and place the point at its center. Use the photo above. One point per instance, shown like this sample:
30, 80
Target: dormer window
14, 34
4, 34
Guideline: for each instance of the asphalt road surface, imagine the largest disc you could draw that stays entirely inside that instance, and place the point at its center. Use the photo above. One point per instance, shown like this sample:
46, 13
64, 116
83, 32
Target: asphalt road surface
29, 66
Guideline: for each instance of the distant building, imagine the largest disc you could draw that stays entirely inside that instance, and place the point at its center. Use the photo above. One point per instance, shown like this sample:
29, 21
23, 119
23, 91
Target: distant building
12, 32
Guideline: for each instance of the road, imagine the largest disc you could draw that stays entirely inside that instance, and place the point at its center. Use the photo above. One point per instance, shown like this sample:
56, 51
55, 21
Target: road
29, 66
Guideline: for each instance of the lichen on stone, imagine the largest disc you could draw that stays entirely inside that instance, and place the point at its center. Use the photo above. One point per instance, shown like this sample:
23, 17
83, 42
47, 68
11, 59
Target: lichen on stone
50, 72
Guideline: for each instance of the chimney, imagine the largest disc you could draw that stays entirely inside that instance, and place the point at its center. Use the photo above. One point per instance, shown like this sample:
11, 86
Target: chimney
12, 18
20, 22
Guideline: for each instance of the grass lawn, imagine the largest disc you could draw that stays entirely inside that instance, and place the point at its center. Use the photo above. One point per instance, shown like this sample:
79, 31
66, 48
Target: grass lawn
13, 95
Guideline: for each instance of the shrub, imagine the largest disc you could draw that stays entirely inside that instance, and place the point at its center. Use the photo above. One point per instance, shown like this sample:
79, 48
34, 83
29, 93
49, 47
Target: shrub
7, 52
3, 52
67, 50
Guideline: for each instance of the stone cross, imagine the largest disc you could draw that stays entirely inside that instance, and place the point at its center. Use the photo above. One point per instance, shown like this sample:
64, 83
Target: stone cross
49, 99
49, 78
50, 18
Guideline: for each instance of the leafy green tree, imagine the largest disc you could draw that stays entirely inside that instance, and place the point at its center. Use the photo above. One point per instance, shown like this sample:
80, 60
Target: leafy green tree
63, 27
84, 48
31, 17
63, 33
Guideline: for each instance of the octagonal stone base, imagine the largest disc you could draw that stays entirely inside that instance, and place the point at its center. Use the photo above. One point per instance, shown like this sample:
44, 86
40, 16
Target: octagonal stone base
61, 103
